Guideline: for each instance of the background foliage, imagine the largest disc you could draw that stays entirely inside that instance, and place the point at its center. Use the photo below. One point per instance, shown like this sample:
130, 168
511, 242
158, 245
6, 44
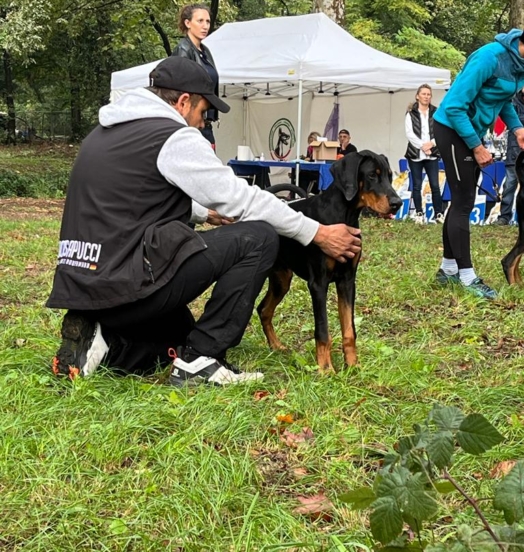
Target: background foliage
59, 55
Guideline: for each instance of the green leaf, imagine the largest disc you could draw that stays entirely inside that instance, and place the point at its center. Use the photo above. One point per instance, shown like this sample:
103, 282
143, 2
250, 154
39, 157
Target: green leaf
447, 418
419, 502
385, 519
406, 444
444, 487
476, 435
118, 527
509, 495
440, 449
409, 492
360, 499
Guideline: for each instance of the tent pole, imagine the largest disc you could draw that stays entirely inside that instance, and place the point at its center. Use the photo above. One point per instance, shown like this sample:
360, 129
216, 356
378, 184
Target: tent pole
299, 133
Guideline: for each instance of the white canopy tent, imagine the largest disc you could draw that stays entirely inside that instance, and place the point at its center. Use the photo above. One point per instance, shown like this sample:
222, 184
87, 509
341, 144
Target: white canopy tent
269, 62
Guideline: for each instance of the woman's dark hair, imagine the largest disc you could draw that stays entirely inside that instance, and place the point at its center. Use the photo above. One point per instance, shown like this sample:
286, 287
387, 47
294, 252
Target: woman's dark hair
187, 13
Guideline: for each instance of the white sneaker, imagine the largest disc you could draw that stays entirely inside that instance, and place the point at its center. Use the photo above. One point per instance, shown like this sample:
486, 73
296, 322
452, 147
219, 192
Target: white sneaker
83, 347
419, 218
440, 218
209, 370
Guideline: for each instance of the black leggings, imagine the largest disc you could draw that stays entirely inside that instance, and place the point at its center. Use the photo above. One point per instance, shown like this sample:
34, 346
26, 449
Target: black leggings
462, 173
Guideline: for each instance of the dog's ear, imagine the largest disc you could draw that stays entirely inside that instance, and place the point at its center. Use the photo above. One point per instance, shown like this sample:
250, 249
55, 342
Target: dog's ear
345, 174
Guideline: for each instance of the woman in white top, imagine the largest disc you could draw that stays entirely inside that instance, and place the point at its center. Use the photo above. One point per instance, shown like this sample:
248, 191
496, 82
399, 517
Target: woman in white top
422, 153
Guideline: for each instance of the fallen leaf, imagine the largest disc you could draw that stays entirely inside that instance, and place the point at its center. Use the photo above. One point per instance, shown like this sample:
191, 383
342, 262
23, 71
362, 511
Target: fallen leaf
315, 507
259, 395
299, 473
281, 394
285, 418
293, 439
502, 468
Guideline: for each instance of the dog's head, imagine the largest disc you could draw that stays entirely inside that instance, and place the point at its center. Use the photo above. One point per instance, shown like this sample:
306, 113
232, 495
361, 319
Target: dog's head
283, 137
367, 175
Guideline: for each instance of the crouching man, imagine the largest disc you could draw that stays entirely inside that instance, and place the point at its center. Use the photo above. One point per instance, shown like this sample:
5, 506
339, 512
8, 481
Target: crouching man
129, 263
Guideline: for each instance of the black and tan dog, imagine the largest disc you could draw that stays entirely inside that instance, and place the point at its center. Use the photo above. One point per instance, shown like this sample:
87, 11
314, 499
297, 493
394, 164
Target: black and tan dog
360, 180
511, 262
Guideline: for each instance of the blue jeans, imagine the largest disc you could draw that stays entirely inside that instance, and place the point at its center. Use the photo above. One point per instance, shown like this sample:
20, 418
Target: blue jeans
508, 194
431, 168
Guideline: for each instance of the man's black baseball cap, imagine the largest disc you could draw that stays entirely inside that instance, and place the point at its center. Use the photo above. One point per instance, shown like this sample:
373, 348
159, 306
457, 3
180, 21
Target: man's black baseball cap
185, 75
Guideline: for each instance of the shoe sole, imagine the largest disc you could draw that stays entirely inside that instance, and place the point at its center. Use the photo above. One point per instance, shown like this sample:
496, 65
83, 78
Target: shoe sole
71, 344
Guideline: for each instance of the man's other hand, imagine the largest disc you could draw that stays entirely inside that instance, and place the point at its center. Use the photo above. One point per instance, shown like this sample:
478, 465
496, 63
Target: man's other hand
218, 220
338, 241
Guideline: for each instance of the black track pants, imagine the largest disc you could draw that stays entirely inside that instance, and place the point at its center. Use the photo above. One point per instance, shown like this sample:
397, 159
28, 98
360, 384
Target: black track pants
237, 260
462, 173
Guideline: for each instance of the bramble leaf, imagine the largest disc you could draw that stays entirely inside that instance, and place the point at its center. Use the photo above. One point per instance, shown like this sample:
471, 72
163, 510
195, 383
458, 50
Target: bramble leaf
440, 449
385, 519
409, 492
359, 498
476, 435
447, 418
509, 495
444, 487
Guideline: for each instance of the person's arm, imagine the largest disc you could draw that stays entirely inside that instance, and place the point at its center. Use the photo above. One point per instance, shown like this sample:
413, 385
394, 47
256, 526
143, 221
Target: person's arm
187, 161
413, 139
480, 66
509, 116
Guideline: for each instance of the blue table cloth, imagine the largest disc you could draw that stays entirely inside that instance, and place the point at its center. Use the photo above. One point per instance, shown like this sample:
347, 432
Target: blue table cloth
255, 168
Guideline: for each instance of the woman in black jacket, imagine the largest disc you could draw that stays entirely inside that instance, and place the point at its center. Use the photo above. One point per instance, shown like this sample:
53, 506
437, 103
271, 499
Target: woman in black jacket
194, 21
422, 153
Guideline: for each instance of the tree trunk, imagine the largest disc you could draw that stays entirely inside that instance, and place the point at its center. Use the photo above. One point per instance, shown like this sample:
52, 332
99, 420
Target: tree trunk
75, 106
9, 99
334, 9
516, 14
213, 14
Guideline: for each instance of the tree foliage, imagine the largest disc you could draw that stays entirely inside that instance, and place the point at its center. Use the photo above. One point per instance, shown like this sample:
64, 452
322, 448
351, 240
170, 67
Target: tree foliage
59, 54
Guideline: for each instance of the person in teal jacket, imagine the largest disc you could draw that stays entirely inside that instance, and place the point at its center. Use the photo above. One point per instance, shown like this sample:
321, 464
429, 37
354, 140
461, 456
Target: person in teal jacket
482, 91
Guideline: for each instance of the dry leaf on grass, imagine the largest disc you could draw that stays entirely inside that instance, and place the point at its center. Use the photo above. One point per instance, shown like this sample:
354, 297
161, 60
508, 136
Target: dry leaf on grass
502, 469
299, 473
285, 418
293, 439
259, 395
315, 507
281, 394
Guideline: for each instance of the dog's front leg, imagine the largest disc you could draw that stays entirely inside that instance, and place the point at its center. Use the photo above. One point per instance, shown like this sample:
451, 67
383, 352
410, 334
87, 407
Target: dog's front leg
279, 282
346, 314
318, 292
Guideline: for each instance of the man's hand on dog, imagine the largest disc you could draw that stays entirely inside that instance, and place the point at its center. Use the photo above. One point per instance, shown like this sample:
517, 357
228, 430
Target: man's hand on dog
338, 241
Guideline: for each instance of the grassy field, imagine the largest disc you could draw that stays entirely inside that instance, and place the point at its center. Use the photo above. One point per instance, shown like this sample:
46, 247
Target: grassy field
129, 464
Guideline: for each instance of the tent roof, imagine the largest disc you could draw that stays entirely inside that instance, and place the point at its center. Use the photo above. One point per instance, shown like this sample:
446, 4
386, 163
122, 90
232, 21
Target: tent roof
274, 54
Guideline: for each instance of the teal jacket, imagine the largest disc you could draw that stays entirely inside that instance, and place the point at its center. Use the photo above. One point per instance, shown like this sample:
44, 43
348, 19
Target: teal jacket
490, 78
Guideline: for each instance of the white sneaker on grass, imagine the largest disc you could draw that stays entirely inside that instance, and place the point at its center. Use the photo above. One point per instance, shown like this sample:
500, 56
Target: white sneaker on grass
204, 369
419, 218
83, 347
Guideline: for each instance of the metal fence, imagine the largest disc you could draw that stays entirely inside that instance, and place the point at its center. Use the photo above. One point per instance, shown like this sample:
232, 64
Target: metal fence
44, 125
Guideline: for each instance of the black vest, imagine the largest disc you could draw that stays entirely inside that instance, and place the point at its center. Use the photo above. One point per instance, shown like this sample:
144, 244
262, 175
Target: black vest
412, 152
124, 229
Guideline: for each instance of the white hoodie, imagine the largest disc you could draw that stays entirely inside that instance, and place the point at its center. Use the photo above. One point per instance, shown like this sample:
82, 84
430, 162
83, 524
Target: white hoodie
186, 160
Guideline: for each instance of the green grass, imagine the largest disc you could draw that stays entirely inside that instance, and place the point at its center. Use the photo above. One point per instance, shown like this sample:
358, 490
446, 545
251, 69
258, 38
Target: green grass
128, 464
35, 171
